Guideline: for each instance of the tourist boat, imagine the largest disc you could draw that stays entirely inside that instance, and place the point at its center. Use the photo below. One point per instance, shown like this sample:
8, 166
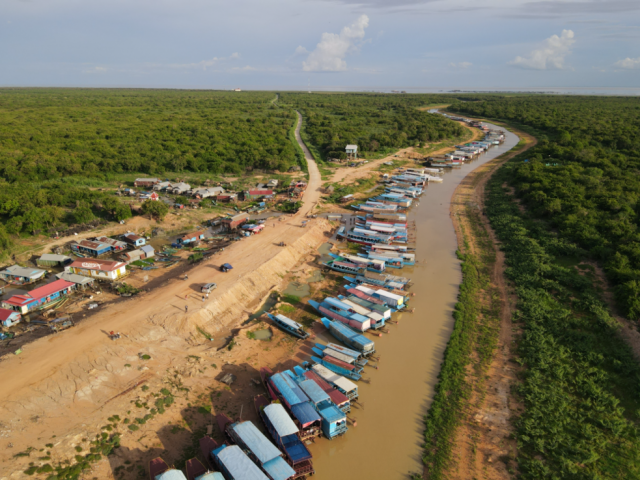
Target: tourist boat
333, 308
352, 357
344, 267
338, 398
348, 336
289, 326
336, 366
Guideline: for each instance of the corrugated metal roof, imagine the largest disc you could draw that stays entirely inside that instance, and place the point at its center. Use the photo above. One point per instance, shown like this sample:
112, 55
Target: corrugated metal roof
278, 469
49, 289
292, 394
6, 313
315, 393
72, 277
255, 441
331, 377
211, 476
171, 475
147, 249
52, 257
330, 352
305, 413
239, 464
337, 303
280, 419
332, 414
97, 264
18, 271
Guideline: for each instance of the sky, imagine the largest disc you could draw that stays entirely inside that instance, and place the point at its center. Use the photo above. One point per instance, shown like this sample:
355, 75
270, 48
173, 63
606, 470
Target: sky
321, 44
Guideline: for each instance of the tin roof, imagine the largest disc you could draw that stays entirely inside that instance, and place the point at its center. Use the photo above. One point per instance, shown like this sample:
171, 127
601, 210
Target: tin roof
260, 192
239, 465
52, 257
94, 245
280, 419
305, 413
255, 441
50, 289
18, 271
278, 469
72, 277
313, 390
97, 264
211, 476
288, 389
332, 413
338, 380
147, 249
172, 474
110, 241
132, 236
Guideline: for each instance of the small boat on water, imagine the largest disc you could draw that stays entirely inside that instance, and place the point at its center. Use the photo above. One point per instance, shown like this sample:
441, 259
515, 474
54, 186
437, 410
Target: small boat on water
289, 326
350, 337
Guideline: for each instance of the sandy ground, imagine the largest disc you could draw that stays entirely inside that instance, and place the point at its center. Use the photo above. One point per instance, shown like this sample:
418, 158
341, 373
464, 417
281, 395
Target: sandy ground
61, 384
484, 448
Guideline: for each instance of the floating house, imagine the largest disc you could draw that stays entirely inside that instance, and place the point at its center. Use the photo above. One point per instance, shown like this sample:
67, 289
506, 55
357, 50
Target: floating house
146, 182
236, 465
18, 275
282, 387
261, 450
93, 249
116, 245
334, 421
337, 397
53, 260
285, 433
341, 312
192, 237
9, 318
343, 384
38, 297
133, 239
99, 269
349, 337
80, 280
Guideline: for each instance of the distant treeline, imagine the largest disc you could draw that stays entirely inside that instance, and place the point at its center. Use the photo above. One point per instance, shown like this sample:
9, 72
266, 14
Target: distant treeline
583, 177
52, 133
374, 122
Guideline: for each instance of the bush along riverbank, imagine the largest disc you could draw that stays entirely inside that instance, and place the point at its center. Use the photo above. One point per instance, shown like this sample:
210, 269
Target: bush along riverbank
472, 343
580, 381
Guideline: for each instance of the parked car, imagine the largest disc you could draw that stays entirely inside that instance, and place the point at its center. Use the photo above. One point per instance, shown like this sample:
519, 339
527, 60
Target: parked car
209, 287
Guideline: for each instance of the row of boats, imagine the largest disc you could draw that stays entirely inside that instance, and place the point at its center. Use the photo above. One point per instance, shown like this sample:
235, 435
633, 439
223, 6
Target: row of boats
314, 398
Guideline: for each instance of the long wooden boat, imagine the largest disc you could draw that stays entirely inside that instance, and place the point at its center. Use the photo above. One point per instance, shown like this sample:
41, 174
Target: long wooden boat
195, 469
344, 370
157, 466
208, 445
289, 326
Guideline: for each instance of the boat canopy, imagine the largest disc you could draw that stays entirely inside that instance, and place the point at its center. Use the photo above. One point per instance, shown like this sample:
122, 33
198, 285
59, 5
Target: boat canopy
172, 474
338, 380
239, 465
289, 390
315, 393
278, 469
331, 413
280, 420
211, 476
339, 355
289, 322
255, 441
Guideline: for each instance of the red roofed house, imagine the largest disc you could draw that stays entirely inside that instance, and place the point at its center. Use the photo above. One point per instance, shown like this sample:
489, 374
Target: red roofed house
100, 269
9, 318
38, 296
255, 194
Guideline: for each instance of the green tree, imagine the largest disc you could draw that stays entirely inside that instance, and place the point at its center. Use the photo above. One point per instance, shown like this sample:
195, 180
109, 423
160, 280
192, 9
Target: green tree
156, 209
82, 213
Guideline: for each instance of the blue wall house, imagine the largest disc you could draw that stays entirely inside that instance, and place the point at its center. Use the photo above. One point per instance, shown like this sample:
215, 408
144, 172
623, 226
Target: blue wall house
9, 318
191, 237
93, 249
18, 275
38, 297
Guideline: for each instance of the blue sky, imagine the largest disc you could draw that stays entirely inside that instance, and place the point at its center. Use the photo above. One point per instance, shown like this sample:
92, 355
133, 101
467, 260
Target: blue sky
362, 44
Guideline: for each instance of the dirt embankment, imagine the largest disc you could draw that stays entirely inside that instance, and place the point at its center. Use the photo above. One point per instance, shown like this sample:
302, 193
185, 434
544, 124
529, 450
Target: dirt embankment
484, 448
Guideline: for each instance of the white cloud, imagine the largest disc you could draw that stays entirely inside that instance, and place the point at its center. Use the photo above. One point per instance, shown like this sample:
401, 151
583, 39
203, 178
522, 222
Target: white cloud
461, 65
204, 64
628, 63
330, 52
246, 68
550, 55
301, 51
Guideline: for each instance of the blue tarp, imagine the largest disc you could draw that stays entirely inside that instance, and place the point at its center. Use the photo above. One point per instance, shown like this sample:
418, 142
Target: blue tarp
314, 392
255, 441
337, 303
280, 420
295, 449
172, 474
278, 469
239, 465
305, 413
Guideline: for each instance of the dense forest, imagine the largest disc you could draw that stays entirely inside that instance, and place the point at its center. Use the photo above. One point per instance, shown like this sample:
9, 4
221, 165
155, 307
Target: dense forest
377, 123
52, 133
582, 177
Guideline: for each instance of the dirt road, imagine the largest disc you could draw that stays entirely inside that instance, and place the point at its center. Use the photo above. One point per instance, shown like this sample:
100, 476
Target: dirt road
312, 195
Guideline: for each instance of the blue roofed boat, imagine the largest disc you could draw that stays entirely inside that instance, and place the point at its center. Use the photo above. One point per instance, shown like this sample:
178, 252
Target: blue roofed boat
236, 465
341, 383
332, 355
286, 435
286, 390
349, 337
338, 367
344, 267
333, 308
289, 326
261, 450
334, 421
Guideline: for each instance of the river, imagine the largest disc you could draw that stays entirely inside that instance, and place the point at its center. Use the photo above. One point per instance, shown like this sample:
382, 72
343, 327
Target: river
387, 443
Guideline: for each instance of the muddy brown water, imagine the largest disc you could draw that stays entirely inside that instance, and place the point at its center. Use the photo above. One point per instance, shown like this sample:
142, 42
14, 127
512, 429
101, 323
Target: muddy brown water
387, 443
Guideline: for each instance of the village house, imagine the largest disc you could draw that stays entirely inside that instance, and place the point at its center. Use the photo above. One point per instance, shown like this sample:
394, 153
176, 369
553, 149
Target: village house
79, 280
146, 182
116, 245
149, 251
94, 249
232, 223
9, 318
202, 193
180, 188
352, 152
21, 276
134, 239
191, 237
227, 198
132, 256
99, 269
153, 196
257, 194
162, 186
53, 260
38, 297
273, 183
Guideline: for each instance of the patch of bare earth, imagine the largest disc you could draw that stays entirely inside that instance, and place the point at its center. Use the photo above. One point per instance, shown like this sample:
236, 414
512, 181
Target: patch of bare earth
483, 446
